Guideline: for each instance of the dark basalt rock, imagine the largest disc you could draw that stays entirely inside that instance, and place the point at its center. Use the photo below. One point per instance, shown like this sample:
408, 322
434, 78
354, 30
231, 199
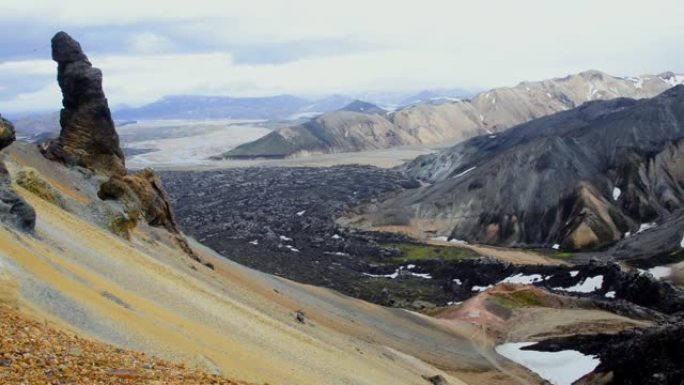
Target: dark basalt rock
582, 178
13, 209
88, 137
633, 357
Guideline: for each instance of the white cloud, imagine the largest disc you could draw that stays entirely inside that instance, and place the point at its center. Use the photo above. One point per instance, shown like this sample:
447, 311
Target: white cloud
433, 43
149, 42
48, 98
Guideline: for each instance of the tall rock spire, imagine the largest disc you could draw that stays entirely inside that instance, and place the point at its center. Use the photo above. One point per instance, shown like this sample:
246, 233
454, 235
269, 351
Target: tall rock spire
88, 137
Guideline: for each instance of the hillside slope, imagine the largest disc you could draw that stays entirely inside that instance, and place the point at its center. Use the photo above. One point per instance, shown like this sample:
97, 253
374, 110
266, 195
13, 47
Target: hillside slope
96, 251
146, 294
487, 113
583, 178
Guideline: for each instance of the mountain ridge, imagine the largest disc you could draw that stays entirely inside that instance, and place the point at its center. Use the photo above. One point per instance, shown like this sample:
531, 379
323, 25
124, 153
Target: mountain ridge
582, 178
488, 112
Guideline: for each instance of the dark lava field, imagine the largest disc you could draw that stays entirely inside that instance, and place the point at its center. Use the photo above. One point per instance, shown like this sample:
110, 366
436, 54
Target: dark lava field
282, 221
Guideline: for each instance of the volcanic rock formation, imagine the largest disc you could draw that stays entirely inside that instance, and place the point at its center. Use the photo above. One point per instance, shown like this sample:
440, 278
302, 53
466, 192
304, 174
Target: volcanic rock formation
13, 209
88, 137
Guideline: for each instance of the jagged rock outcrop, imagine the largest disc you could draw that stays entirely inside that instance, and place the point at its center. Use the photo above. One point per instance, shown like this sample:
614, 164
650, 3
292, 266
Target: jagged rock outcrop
583, 178
489, 112
145, 193
13, 209
88, 137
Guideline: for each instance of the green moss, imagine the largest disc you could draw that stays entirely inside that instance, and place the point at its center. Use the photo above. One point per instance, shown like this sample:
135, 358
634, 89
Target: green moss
518, 299
416, 252
562, 255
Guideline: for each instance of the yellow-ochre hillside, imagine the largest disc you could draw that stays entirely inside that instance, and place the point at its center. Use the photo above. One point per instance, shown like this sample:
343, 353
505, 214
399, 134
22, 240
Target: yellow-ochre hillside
93, 251
143, 292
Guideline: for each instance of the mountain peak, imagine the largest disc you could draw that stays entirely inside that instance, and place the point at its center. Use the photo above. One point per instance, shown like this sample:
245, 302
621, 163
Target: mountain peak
364, 107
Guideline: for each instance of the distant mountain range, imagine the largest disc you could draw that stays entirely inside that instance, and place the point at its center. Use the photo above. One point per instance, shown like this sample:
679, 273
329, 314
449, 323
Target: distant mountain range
429, 122
220, 107
582, 178
278, 107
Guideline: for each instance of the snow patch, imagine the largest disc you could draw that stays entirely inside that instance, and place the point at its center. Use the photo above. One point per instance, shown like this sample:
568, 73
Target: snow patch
522, 279
254, 242
336, 237
402, 270
588, 285
616, 193
285, 239
465, 172
292, 248
610, 294
559, 368
659, 272
300, 213
481, 288
457, 281
574, 273
646, 226
555, 246
681, 244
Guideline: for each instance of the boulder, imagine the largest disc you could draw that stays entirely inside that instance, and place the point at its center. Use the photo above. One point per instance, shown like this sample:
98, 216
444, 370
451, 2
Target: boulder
13, 209
88, 137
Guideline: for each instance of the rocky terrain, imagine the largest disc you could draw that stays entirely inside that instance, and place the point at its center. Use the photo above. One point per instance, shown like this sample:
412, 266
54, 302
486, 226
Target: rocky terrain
282, 221
489, 112
106, 260
580, 179
13, 209
622, 355
36, 353
88, 249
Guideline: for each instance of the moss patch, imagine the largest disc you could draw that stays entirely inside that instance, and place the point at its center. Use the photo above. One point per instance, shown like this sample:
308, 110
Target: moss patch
518, 299
31, 180
417, 252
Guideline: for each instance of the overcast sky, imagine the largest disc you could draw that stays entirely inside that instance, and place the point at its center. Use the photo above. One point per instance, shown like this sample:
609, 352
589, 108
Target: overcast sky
147, 49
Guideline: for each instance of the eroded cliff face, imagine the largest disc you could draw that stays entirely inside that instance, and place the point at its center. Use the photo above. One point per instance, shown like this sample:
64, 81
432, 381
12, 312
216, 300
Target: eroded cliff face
88, 137
13, 209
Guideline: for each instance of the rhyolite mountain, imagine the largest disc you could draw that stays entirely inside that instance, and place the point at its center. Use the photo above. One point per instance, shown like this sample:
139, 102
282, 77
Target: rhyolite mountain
582, 178
428, 122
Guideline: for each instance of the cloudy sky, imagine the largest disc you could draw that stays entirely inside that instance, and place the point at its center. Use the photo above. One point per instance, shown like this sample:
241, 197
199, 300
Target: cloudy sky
148, 49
